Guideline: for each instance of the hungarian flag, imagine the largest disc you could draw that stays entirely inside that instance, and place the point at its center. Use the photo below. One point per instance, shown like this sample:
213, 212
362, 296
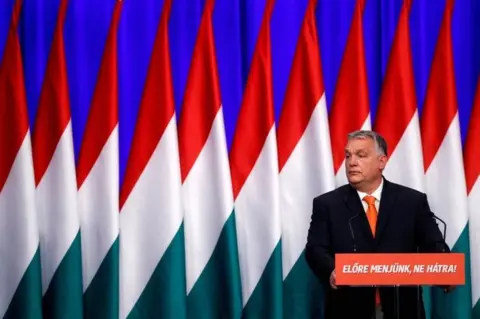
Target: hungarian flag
20, 272
98, 179
213, 276
54, 162
306, 168
472, 175
254, 167
350, 106
443, 160
397, 117
152, 256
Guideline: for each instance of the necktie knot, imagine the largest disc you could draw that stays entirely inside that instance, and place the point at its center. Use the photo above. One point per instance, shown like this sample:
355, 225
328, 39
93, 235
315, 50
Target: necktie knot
370, 200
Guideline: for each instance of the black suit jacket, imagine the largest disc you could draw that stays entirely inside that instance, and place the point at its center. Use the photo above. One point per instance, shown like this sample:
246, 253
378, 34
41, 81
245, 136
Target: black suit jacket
404, 224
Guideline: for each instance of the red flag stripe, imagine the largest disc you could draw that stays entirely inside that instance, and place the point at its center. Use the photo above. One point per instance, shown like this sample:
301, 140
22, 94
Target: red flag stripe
398, 102
472, 144
53, 112
304, 90
202, 98
256, 116
103, 115
156, 109
13, 100
350, 105
441, 98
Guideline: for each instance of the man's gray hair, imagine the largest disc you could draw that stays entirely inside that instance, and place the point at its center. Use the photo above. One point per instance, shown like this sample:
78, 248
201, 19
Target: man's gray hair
380, 143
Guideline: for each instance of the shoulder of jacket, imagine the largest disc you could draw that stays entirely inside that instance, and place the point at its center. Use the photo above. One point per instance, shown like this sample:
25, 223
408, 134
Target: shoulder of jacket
406, 190
333, 194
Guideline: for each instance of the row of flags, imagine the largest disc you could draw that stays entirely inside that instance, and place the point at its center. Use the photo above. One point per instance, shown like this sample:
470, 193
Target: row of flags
195, 231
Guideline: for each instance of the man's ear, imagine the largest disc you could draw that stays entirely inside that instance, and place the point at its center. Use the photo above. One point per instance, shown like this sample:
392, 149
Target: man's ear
383, 162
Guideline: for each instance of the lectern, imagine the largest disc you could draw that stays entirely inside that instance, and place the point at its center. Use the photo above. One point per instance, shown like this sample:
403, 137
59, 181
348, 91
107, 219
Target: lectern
395, 270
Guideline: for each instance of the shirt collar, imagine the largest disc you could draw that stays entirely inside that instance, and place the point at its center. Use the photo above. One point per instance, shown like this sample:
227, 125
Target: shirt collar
377, 193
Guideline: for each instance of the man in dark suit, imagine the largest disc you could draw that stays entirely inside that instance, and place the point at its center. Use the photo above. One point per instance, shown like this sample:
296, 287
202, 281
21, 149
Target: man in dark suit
385, 218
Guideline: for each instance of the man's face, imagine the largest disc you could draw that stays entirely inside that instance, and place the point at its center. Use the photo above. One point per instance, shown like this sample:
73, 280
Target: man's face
362, 161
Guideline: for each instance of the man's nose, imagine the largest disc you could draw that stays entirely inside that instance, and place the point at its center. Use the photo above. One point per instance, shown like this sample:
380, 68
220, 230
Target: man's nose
352, 161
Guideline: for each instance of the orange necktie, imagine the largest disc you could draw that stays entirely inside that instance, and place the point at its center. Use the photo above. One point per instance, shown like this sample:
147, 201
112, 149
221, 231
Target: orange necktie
372, 220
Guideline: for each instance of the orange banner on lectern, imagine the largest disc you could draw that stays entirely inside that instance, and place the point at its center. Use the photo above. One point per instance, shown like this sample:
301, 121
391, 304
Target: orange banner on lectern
400, 269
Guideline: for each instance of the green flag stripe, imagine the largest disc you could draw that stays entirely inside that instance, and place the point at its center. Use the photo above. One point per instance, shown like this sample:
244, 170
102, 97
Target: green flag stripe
458, 303
427, 301
266, 299
217, 292
63, 298
27, 300
164, 295
101, 299
302, 293
476, 310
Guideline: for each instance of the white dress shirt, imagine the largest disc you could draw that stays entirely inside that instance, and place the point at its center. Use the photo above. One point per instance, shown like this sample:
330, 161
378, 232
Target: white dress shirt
377, 194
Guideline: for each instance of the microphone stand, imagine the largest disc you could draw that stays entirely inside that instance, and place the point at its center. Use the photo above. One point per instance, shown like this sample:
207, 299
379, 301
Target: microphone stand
418, 294
397, 301
351, 230
444, 231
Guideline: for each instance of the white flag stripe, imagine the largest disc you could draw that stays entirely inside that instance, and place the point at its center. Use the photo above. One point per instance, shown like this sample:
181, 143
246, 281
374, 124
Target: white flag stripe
449, 202
17, 214
341, 176
307, 174
150, 218
56, 197
208, 201
258, 216
405, 163
98, 208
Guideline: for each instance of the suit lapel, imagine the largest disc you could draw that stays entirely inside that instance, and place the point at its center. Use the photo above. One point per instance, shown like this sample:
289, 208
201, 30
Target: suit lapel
356, 209
387, 206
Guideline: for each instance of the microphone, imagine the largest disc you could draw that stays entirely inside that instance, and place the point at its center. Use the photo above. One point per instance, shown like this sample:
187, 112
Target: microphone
444, 230
352, 233
351, 230
444, 244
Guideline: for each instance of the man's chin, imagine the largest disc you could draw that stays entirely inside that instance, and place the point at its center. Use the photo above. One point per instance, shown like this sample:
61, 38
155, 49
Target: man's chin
354, 180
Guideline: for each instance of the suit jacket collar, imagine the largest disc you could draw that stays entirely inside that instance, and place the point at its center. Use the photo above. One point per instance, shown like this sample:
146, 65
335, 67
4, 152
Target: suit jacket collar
387, 205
